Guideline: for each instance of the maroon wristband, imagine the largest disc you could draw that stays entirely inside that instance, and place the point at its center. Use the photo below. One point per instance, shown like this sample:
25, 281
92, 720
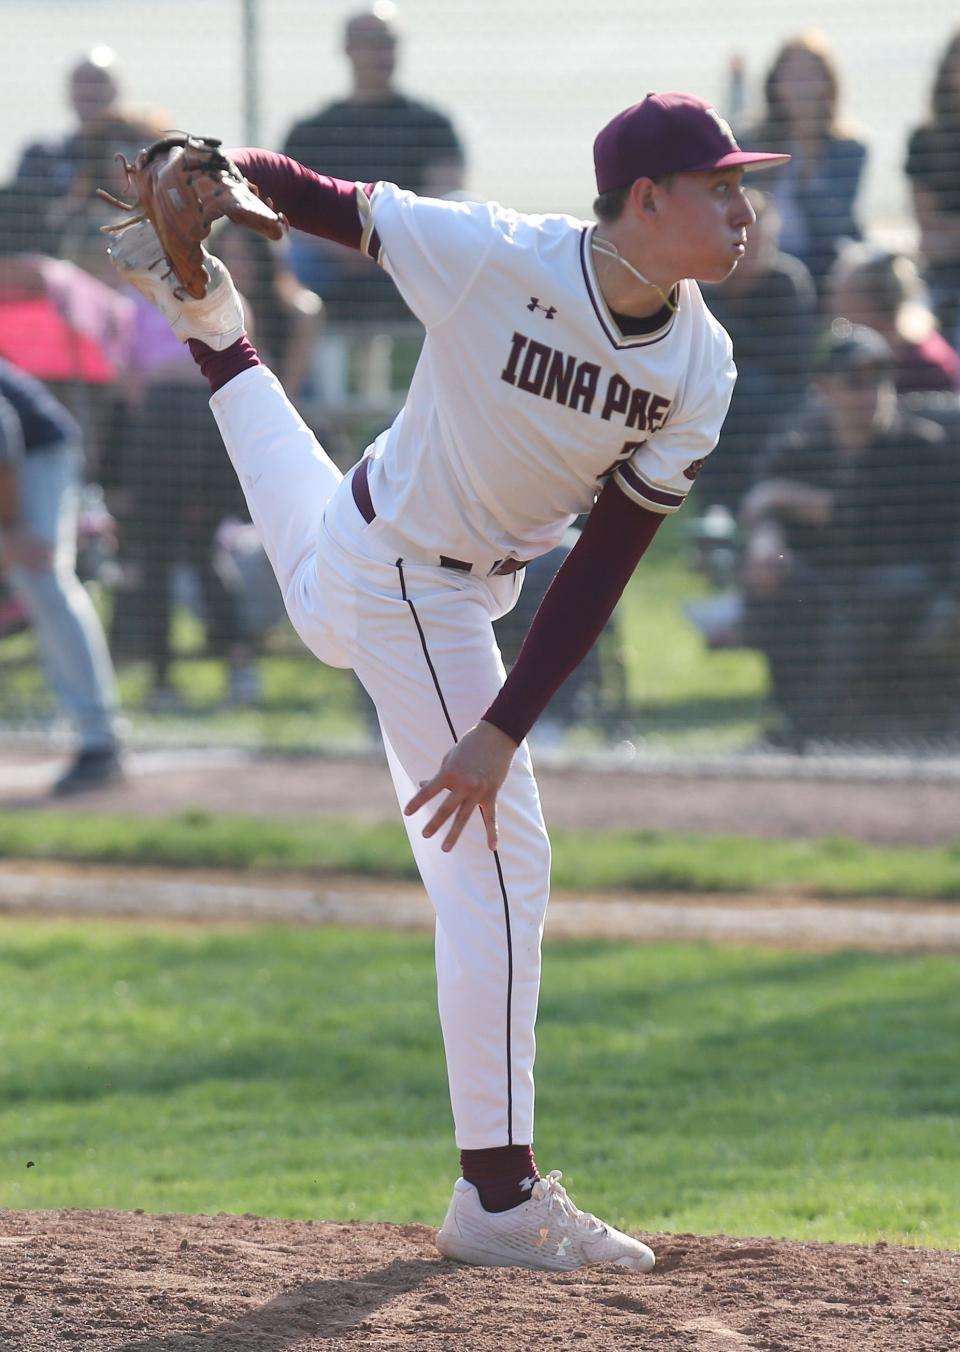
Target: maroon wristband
219, 367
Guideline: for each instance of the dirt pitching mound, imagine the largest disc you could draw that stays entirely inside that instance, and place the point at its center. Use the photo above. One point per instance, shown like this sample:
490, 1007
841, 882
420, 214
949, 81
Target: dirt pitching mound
107, 1281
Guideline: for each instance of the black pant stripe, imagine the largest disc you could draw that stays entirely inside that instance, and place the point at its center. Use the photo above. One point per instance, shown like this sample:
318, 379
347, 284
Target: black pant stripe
426, 651
496, 854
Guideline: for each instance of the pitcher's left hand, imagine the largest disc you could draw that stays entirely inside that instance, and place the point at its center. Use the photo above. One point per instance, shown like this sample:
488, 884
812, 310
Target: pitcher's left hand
472, 773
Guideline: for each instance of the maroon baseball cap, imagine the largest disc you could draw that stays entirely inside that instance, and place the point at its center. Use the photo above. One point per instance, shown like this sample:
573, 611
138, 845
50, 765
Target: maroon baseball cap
669, 134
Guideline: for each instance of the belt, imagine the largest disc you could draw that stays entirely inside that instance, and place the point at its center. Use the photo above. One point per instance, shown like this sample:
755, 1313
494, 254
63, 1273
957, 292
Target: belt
360, 487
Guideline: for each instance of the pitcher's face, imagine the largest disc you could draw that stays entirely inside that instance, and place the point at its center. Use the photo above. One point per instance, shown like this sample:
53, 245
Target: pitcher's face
705, 217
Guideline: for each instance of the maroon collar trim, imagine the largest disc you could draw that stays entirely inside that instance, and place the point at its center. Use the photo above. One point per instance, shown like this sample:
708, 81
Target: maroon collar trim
601, 310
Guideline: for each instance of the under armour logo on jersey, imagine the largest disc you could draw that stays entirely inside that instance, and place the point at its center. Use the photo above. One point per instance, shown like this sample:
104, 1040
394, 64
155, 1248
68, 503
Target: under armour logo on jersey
548, 310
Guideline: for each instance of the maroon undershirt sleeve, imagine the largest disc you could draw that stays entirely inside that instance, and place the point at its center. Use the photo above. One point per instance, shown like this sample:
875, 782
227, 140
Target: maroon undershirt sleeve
575, 609
219, 367
312, 202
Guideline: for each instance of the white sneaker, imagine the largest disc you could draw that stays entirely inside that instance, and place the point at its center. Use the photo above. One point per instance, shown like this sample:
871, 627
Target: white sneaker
216, 320
548, 1233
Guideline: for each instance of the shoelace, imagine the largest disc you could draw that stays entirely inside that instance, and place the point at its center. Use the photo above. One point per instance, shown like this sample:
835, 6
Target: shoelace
178, 291
552, 1191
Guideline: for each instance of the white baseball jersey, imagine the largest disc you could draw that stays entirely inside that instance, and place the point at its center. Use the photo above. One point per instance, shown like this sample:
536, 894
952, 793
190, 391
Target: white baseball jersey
527, 396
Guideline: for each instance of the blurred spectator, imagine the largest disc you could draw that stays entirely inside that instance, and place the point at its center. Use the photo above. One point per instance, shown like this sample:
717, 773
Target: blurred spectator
374, 133
47, 168
180, 489
282, 315
851, 550
933, 167
18, 232
171, 485
75, 329
816, 192
56, 321
62, 325
881, 290
768, 306
75, 220
39, 490
75, 225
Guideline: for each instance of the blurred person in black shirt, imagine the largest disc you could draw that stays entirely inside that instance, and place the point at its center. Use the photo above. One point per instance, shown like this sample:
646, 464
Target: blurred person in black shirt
74, 221
376, 132
283, 315
851, 537
768, 305
48, 167
933, 168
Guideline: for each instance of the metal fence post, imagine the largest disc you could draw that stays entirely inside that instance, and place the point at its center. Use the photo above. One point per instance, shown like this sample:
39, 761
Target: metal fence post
251, 72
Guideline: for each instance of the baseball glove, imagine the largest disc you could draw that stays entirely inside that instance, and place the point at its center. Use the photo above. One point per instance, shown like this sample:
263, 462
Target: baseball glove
181, 185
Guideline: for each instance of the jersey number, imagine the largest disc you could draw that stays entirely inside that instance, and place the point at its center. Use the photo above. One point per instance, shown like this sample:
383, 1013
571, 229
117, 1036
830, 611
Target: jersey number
626, 450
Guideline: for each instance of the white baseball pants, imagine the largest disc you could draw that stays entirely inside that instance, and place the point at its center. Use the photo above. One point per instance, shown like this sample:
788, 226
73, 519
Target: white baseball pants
419, 638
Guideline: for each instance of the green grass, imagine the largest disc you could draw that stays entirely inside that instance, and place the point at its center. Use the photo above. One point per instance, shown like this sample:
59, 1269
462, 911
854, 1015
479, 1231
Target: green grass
299, 1073
684, 698
681, 696
623, 860
304, 705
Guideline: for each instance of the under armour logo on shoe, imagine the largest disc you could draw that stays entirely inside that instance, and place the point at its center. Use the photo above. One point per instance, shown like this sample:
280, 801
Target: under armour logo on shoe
548, 310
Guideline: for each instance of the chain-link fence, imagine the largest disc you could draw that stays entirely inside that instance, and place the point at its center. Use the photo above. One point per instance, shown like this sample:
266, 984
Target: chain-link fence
809, 593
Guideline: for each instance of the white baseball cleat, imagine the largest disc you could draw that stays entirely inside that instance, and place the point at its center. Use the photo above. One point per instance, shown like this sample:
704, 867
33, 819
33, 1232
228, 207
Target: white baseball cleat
548, 1232
216, 320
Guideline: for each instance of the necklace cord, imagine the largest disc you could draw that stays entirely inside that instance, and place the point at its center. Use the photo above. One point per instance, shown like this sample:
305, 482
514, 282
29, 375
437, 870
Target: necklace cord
603, 246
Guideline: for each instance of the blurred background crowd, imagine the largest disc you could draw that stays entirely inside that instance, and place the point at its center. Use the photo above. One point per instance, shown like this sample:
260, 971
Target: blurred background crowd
824, 531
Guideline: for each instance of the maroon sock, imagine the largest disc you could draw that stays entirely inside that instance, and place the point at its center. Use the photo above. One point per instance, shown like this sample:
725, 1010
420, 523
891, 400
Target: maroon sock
219, 367
498, 1174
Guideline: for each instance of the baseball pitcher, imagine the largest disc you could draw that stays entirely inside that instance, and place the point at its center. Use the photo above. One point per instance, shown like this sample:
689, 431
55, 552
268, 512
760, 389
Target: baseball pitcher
568, 367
